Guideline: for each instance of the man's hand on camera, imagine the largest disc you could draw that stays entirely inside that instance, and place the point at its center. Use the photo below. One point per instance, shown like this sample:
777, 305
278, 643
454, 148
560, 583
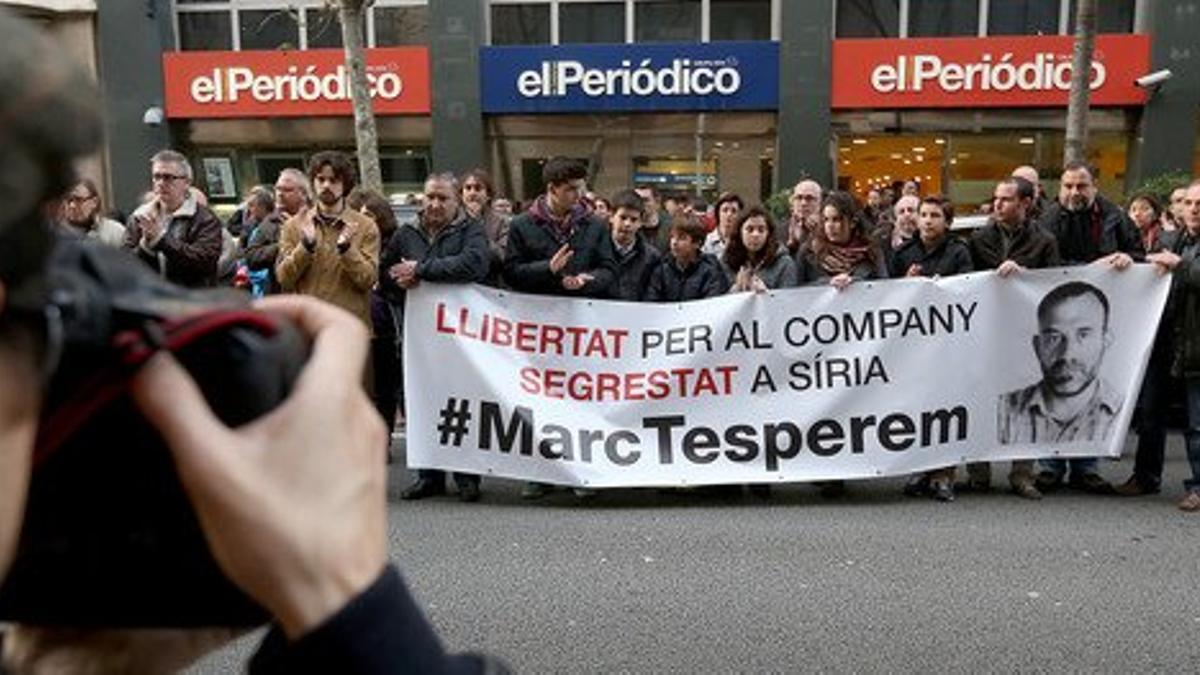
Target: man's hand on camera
293, 505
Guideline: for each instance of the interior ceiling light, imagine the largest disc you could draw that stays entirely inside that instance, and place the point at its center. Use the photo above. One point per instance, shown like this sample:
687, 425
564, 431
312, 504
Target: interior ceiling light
859, 141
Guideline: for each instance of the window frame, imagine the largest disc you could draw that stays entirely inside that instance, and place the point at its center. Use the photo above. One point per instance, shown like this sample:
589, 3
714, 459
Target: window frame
235, 7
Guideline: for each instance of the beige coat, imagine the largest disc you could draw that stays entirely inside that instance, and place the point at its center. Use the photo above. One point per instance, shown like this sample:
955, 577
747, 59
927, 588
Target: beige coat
344, 279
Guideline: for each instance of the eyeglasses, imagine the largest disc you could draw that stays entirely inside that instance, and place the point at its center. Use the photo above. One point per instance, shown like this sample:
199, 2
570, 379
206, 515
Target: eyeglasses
75, 200
804, 198
165, 177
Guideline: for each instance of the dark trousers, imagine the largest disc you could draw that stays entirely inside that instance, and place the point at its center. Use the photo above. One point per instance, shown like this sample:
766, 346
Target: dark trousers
437, 476
1152, 403
385, 378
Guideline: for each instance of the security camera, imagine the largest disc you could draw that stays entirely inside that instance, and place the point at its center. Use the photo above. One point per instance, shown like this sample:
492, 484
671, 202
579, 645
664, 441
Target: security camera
153, 117
1155, 79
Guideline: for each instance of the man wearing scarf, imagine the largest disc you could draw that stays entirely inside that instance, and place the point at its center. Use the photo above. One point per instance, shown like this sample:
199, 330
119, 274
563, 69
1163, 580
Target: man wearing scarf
558, 247
1089, 229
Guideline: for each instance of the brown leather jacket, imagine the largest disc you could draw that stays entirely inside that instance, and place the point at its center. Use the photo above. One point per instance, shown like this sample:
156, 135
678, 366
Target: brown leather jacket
189, 248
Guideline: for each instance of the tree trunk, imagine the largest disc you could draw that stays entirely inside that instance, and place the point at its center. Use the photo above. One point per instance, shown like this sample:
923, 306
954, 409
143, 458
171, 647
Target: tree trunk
1075, 147
366, 138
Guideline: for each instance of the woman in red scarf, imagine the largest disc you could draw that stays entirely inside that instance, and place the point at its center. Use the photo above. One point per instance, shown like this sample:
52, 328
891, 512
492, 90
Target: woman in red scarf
840, 251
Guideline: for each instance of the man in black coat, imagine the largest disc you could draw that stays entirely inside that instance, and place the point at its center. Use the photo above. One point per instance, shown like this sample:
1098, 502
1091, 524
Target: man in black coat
445, 245
1088, 229
558, 247
1010, 243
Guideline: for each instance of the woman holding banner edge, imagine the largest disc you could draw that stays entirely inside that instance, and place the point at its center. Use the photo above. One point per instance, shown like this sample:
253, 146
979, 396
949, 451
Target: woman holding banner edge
839, 253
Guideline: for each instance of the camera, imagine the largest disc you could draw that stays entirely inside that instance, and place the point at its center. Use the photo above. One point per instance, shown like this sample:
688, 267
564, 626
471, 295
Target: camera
109, 537
1155, 79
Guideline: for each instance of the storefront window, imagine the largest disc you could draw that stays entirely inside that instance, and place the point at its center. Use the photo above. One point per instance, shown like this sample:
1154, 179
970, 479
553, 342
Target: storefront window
740, 20
270, 166
521, 24
939, 18
668, 20
1112, 16
324, 29
404, 172
205, 30
868, 18
269, 29
1023, 17
401, 26
967, 166
591, 22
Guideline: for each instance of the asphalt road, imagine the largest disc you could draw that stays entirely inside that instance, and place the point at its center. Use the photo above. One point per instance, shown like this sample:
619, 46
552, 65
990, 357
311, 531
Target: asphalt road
640, 581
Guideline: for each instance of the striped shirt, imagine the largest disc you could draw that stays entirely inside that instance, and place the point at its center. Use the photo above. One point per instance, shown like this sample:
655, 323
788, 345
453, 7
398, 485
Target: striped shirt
1025, 418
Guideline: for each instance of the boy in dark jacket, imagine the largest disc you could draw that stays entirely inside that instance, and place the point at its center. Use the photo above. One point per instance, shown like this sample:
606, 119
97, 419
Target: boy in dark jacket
934, 252
636, 258
557, 247
687, 274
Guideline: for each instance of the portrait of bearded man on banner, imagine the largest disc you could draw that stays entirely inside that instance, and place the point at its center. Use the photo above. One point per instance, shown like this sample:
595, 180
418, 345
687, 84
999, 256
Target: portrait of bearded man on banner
1072, 402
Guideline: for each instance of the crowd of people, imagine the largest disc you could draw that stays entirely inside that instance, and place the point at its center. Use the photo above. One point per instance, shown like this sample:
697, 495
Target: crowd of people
317, 234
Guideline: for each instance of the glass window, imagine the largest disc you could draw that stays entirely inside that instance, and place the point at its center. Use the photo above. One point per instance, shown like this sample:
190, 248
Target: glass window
401, 26
868, 18
591, 22
269, 29
667, 21
270, 166
1023, 17
1112, 16
936, 18
324, 29
404, 172
520, 24
740, 20
205, 30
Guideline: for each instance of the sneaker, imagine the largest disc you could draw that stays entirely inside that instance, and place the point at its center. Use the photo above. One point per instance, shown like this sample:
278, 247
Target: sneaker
423, 488
917, 486
943, 491
1190, 502
1027, 491
468, 492
1092, 483
1047, 481
1134, 488
534, 490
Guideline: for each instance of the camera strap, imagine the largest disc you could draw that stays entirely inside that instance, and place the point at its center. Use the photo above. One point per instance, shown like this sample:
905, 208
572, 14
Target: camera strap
134, 347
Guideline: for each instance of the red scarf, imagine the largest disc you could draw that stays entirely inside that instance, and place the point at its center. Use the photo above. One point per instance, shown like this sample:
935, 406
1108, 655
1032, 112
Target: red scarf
843, 258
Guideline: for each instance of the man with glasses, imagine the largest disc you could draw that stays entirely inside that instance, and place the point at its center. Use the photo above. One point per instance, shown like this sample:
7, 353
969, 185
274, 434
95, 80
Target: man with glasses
82, 216
172, 232
806, 214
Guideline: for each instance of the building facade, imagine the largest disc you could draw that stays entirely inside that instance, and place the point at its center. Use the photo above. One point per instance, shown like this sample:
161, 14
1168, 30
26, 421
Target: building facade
699, 96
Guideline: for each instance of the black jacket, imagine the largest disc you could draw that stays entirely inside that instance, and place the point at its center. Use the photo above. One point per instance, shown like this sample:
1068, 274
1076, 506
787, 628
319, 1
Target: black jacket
1183, 305
634, 270
458, 253
951, 256
704, 278
532, 243
380, 631
1030, 246
1091, 234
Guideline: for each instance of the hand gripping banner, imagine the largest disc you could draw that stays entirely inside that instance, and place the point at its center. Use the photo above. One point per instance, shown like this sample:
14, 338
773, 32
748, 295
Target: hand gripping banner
881, 379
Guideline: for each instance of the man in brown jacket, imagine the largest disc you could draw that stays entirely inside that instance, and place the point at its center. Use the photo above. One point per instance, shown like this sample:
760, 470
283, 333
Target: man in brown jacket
331, 251
172, 232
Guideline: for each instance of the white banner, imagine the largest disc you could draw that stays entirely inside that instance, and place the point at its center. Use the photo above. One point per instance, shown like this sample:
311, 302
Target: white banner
882, 379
